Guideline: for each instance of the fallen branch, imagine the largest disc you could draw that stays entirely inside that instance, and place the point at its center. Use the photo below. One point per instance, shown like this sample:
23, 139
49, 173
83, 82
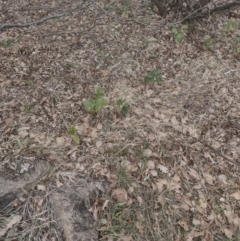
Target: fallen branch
40, 21
223, 7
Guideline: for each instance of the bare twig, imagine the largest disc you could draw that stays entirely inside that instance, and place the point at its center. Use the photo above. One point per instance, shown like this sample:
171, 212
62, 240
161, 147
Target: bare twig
234, 123
218, 152
40, 21
70, 32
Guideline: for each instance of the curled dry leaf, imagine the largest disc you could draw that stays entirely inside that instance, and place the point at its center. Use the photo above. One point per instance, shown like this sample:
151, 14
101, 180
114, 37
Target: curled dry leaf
126, 238
209, 178
236, 195
184, 206
98, 143
154, 173
194, 173
139, 227
151, 165
23, 132
147, 152
99, 126
163, 169
184, 225
223, 179
140, 200
95, 213
161, 200
8, 223
228, 232
160, 184
232, 218
120, 195
196, 222
41, 187
58, 183
105, 204
60, 140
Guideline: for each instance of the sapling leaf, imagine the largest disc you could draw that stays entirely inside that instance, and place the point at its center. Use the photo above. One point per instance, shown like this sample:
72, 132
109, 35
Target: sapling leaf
153, 76
72, 130
89, 104
122, 106
99, 103
125, 108
99, 92
73, 133
76, 138
120, 102
96, 103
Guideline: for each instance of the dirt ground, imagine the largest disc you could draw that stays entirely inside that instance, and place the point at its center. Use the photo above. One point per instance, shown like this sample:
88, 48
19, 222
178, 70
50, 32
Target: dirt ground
171, 157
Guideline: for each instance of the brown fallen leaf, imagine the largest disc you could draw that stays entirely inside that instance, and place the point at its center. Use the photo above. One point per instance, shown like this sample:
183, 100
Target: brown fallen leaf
125, 238
41, 187
139, 227
184, 225
228, 232
120, 195
8, 223
236, 195
194, 173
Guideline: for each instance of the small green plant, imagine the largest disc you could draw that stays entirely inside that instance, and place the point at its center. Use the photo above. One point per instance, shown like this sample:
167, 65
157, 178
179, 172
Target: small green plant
122, 106
178, 33
99, 52
73, 133
96, 103
209, 43
125, 9
69, 65
238, 50
27, 107
7, 43
29, 82
153, 76
230, 25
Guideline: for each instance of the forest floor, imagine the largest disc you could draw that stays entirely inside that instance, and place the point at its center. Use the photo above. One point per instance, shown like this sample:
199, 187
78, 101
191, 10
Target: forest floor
170, 151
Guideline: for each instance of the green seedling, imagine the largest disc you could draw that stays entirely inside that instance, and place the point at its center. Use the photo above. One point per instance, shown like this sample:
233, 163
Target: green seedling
29, 82
73, 133
238, 50
27, 107
209, 43
99, 52
69, 65
96, 103
122, 106
231, 25
125, 9
153, 76
178, 33
7, 43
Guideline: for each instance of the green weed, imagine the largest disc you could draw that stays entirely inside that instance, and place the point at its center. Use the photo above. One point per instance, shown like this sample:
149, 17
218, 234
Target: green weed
178, 33
153, 76
209, 42
96, 103
230, 25
73, 133
28, 107
6, 43
122, 106
125, 9
238, 50
69, 65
